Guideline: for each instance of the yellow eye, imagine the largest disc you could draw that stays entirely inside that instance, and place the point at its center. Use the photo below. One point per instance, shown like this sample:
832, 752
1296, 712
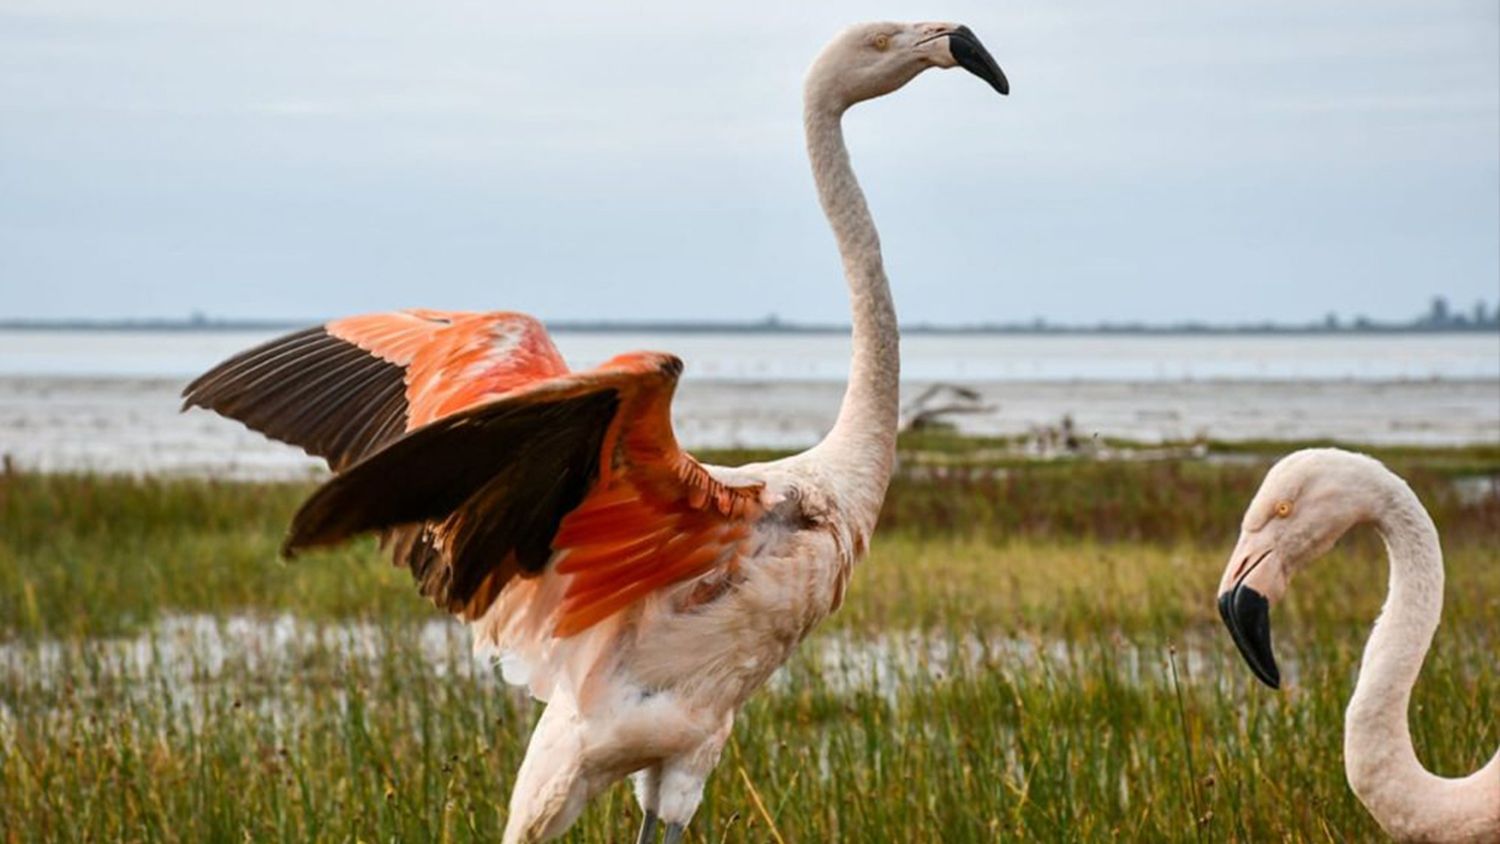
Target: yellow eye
1283, 509
882, 42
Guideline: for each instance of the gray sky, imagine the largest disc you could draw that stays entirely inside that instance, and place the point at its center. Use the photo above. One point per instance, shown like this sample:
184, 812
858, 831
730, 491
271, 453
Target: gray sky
1156, 160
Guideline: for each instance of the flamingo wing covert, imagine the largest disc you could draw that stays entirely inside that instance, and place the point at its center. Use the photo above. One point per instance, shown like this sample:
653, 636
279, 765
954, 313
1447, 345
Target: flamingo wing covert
507, 467
584, 464
343, 389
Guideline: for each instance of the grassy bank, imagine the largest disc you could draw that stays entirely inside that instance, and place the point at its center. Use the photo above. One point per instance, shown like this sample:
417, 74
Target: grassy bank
1031, 650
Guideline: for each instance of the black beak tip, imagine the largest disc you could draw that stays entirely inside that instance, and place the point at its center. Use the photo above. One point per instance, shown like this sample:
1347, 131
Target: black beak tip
1247, 614
973, 57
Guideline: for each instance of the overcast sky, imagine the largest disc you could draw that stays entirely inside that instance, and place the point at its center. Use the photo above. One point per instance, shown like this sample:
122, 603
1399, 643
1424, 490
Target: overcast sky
1156, 160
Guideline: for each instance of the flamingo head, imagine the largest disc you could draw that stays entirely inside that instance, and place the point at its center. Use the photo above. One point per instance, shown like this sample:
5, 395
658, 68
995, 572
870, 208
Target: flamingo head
870, 60
1307, 501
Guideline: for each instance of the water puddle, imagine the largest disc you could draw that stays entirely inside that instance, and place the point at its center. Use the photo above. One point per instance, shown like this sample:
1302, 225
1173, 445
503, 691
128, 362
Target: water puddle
194, 661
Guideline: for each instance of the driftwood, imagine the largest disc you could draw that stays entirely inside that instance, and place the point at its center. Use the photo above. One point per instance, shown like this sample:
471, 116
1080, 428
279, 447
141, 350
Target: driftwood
932, 407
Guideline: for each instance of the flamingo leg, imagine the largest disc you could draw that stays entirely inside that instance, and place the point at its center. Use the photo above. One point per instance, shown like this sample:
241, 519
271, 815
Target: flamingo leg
674, 833
648, 828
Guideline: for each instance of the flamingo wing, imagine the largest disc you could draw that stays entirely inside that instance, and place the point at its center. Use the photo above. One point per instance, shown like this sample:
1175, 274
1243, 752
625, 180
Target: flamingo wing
343, 389
580, 471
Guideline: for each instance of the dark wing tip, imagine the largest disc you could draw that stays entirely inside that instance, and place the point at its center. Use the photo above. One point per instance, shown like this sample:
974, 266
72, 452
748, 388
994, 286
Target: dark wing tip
311, 389
494, 482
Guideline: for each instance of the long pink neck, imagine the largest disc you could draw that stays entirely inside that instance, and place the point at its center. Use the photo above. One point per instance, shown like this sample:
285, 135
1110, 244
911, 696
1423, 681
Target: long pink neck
861, 447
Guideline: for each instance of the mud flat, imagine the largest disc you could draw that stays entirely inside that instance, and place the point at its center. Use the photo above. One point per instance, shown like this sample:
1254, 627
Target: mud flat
124, 424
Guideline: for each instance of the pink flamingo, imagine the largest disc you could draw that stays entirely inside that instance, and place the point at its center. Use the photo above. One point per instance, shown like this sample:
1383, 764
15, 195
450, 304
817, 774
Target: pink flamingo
642, 594
1308, 500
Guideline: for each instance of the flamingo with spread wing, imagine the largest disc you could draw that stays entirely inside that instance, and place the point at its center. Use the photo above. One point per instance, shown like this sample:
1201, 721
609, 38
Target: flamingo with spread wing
642, 594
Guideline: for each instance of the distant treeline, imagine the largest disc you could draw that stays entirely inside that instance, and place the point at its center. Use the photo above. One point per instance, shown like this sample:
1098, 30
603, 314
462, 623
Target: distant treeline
1438, 319
651, 327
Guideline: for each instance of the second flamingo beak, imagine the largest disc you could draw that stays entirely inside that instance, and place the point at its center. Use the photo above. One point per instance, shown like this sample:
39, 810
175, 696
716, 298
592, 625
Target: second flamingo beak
1247, 614
1254, 580
973, 57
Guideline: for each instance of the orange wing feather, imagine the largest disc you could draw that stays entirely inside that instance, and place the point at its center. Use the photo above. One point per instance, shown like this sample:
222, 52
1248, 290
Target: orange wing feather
655, 516
496, 427
348, 388
454, 360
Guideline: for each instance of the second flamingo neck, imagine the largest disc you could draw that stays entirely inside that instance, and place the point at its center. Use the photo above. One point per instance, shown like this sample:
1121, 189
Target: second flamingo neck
862, 442
1379, 758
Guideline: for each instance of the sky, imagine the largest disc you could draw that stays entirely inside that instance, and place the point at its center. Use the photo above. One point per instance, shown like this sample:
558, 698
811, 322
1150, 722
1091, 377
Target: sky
300, 159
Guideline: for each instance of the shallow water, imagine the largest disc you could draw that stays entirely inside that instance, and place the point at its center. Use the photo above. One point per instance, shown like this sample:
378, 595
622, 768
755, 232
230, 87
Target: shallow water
195, 658
777, 357
133, 425
108, 400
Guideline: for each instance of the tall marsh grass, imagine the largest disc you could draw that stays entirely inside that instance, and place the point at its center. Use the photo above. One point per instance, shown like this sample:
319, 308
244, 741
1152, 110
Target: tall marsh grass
1030, 653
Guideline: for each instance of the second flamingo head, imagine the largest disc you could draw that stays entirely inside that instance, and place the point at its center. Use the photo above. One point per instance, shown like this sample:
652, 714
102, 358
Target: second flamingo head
1307, 501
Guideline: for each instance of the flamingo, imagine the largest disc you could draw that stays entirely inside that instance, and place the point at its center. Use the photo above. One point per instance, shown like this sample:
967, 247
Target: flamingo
1308, 500
641, 594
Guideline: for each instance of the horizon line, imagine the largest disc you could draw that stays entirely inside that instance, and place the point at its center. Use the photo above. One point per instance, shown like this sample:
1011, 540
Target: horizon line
777, 326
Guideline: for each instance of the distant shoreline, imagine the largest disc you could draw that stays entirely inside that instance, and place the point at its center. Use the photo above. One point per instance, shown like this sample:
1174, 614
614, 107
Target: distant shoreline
777, 327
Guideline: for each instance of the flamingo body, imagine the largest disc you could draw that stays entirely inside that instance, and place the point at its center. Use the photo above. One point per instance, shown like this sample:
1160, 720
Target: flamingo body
643, 594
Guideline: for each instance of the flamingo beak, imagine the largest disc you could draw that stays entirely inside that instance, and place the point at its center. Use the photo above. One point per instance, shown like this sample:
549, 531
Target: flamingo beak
973, 57
1247, 614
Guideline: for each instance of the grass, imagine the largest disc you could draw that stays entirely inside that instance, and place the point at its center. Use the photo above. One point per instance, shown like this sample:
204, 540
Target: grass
1050, 668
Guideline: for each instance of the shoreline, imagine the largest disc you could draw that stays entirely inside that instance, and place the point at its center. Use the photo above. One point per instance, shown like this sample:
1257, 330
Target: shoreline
132, 425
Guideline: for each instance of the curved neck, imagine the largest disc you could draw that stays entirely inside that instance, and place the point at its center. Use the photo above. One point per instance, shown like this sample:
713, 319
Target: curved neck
1376, 734
1379, 759
862, 443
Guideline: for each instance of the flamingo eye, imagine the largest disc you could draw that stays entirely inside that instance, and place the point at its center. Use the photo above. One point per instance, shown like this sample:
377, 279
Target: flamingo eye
1283, 509
882, 42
